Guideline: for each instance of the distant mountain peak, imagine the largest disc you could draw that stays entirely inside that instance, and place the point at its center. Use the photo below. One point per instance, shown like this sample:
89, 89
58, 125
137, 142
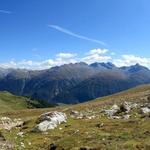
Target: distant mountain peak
134, 68
74, 82
107, 65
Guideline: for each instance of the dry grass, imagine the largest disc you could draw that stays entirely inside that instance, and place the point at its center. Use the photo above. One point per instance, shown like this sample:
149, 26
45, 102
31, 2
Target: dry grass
76, 133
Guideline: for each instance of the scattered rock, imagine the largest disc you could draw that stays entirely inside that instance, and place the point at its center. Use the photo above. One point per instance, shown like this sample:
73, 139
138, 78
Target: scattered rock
111, 112
82, 114
116, 112
147, 133
5, 145
22, 145
125, 107
52, 147
76, 131
68, 125
148, 105
74, 113
148, 99
145, 110
116, 117
7, 123
134, 105
126, 117
99, 125
20, 134
50, 120
91, 117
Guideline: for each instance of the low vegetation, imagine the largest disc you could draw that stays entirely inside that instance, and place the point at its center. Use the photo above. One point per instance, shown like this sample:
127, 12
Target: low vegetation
10, 102
87, 127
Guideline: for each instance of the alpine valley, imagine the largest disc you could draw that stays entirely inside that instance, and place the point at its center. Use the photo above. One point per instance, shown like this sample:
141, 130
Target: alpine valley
72, 83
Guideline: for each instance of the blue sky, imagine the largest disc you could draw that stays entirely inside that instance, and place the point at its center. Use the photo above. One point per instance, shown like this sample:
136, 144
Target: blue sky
35, 32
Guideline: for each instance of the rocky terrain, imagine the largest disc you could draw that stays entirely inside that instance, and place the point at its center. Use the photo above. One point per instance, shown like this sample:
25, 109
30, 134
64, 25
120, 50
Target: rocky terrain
72, 83
119, 121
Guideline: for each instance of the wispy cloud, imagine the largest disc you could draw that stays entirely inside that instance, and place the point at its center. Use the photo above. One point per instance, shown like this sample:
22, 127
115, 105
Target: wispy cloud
5, 11
66, 31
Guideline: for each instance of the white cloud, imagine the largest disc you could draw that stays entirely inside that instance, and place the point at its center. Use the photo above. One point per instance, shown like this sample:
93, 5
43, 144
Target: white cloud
97, 51
60, 59
96, 58
5, 11
96, 55
66, 31
127, 60
65, 55
10, 64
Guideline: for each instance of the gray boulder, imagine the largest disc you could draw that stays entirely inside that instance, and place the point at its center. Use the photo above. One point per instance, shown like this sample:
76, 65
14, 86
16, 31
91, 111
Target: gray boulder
125, 107
111, 112
50, 120
145, 110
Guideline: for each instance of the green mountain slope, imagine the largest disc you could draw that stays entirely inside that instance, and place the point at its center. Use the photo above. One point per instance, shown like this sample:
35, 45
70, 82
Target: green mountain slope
10, 102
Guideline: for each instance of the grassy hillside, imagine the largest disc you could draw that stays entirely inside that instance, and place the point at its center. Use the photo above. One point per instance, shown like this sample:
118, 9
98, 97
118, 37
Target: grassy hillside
10, 102
98, 133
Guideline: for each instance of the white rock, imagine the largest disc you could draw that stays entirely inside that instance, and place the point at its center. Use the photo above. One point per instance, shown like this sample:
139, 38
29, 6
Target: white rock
145, 110
115, 117
22, 145
126, 117
148, 105
7, 123
91, 117
74, 113
111, 112
50, 120
134, 105
115, 107
20, 134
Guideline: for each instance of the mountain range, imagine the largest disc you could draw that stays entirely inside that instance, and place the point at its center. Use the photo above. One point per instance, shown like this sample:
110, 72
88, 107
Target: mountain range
72, 83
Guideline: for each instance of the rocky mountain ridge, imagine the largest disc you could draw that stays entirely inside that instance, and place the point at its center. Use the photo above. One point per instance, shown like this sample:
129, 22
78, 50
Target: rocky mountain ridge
72, 83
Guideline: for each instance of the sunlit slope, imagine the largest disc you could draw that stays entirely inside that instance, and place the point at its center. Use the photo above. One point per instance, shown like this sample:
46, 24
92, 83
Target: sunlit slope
10, 102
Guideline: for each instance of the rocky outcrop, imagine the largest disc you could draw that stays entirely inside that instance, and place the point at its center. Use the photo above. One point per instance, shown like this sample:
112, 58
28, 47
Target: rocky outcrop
121, 111
82, 115
125, 107
74, 114
111, 112
146, 108
7, 123
50, 120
